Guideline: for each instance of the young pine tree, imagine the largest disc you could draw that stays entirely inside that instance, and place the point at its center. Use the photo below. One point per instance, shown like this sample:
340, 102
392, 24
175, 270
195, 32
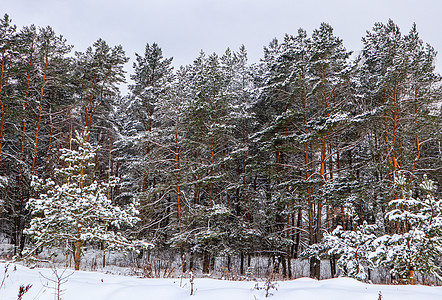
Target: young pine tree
72, 208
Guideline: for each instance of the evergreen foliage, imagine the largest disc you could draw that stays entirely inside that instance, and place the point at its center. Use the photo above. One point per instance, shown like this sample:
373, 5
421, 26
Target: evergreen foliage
74, 208
308, 154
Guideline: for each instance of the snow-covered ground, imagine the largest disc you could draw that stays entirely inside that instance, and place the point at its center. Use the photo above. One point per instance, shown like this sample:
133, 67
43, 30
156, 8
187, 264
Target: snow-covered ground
91, 285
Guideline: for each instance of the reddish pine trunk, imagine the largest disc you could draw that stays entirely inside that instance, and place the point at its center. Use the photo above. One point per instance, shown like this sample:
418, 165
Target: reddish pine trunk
323, 175
77, 254
37, 131
25, 104
418, 149
395, 126
93, 108
51, 131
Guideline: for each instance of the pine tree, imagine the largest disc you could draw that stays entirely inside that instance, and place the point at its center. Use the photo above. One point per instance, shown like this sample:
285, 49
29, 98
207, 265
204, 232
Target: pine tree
74, 208
155, 109
276, 114
98, 71
152, 77
38, 72
397, 86
7, 51
7, 36
306, 93
417, 245
240, 95
51, 64
352, 249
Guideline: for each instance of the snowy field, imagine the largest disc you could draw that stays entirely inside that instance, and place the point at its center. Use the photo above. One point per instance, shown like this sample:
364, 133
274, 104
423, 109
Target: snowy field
91, 285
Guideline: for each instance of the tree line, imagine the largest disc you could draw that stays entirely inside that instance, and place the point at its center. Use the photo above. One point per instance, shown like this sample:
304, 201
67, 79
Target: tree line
311, 153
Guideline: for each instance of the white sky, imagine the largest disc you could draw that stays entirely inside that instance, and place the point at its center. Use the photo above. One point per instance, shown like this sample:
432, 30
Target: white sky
184, 27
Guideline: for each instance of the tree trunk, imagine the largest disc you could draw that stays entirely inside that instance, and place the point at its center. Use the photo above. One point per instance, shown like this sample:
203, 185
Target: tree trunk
191, 261
178, 177
104, 257
2, 125
298, 233
3, 113
77, 254
241, 263
212, 162
289, 266
206, 262
183, 260
284, 266
333, 266
315, 268
395, 127
37, 131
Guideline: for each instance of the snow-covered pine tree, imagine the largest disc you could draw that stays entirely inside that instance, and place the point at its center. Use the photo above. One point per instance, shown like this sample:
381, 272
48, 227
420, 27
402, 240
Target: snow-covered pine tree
74, 208
207, 127
36, 88
302, 107
218, 90
10, 210
98, 72
396, 92
154, 109
417, 245
352, 249
53, 68
207, 144
278, 113
328, 117
7, 41
240, 95
152, 81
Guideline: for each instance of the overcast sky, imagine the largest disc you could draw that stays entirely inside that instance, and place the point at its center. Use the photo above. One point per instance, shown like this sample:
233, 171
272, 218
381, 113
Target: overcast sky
184, 27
